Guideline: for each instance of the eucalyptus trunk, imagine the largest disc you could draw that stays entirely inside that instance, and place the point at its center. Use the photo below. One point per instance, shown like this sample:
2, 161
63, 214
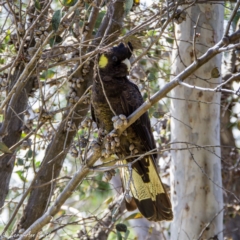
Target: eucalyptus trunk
196, 182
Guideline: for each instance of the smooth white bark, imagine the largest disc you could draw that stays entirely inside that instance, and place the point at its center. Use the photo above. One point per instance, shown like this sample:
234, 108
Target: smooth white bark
196, 172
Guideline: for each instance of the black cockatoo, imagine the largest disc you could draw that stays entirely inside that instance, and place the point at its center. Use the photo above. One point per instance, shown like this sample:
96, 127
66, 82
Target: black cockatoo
123, 98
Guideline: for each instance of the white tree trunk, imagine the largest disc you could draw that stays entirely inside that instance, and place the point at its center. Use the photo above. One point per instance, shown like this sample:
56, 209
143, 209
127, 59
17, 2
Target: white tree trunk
196, 181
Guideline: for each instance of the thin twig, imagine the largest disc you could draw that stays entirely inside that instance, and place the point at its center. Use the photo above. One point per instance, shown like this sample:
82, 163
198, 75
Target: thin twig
210, 179
209, 223
216, 89
194, 38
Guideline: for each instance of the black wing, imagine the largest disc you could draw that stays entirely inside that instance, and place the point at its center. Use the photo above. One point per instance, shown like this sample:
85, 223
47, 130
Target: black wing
131, 99
146, 186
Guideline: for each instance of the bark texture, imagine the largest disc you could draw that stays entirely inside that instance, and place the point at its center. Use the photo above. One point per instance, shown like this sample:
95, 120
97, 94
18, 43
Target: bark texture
196, 172
14, 118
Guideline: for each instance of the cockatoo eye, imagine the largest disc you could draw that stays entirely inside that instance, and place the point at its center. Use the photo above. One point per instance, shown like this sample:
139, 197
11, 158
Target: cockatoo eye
114, 58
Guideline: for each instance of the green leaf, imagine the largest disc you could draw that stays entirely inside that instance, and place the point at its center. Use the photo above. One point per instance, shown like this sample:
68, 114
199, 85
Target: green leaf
169, 40
126, 235
99, 19
55, 40
23, 135
152, 33
119, 236
128, 6
69, 3
134, 216
151, 75
121, 227
108, 200
7, 38
238, 124
4, 148
135, 41
236, 17
2, 48
20, 174
20, 162
38, 5
29, 154
37, 164
158, 114
56, 19
47, 74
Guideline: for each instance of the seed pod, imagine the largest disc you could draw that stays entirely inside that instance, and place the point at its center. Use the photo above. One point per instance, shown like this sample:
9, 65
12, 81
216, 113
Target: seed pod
22, 230
183, 15
85, 66
123, 117
20, 28
128, 198
104, 152
31, 51
4, 82
107, 146
76, 99
124, 133
135, 151
113, 135
84, 71
74, 149
75, 155
44, 115
50, 115
87, 63
83, 142
84, 124
73, 94
118, 124
42, 38
73, 85
37, 32
115, 118
24, 145
131, 147
113, 144
88, 119
107, 176
69, 49
109, 152
117, 149
237, 52
86, 28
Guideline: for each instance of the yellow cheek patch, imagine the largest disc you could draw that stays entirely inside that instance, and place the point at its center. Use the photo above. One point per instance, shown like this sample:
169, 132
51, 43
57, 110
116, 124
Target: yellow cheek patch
103, 61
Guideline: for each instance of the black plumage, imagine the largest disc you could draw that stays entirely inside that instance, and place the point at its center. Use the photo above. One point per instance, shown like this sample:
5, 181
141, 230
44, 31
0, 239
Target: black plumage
149, 194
